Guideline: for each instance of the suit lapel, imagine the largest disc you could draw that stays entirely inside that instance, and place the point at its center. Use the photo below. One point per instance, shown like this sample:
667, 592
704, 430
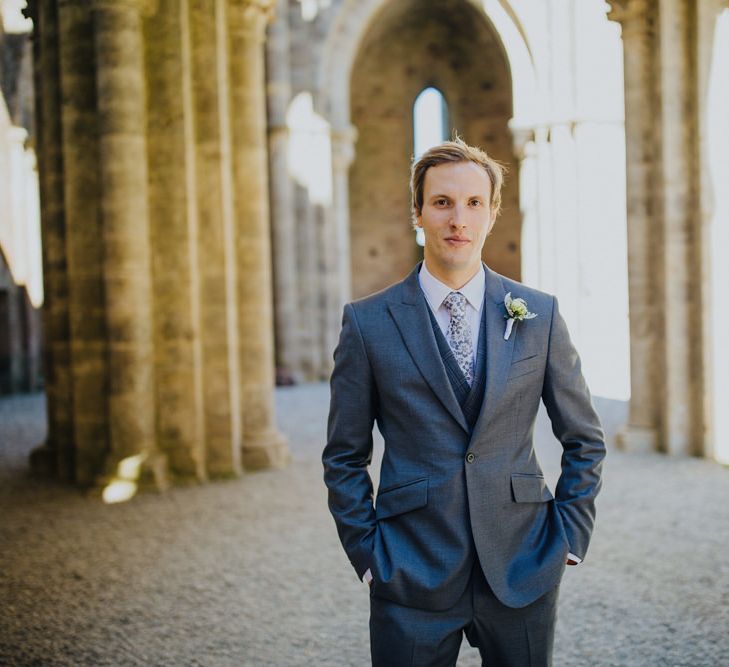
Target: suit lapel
412, 319
498, 351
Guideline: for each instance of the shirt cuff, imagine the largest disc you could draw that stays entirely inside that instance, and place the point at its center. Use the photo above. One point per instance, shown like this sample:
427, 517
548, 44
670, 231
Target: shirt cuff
367, 576
570, 556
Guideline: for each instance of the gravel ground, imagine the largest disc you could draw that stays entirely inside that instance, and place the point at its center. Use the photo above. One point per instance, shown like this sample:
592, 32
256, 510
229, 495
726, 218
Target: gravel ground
250, 572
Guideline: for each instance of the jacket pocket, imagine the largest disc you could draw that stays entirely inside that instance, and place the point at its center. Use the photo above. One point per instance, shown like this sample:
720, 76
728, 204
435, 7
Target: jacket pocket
402, 498
526, 365
529, 488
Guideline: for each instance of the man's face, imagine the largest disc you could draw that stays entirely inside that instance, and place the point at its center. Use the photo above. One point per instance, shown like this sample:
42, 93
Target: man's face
456, 218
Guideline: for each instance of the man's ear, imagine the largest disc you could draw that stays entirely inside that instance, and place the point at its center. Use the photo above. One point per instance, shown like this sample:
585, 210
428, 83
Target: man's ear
419, 220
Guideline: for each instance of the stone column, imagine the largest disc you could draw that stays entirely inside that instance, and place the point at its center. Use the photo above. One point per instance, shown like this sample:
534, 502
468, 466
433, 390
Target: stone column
56, 455
84, 250
336, 279
525, 151
174, 230
308, 256
637, 17
119, 52
283, 222
343, 147
330, 296
263, 445
683, 294
545, 209
215, 253
715, 354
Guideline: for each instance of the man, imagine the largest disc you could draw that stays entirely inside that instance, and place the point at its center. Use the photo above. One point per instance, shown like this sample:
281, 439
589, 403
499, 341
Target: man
452, 363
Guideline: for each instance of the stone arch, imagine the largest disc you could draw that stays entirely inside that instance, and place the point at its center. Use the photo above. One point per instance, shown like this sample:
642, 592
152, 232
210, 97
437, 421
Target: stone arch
453, 47
349, 26
354, 18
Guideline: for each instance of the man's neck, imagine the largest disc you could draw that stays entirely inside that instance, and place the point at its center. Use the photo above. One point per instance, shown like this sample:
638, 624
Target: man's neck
454, 279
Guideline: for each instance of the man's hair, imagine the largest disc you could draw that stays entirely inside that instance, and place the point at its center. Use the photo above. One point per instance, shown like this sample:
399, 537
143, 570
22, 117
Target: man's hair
454, 151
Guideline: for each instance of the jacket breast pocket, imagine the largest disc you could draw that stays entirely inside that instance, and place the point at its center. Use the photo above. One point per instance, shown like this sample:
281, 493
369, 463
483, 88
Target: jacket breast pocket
526, 366
402, 498
526, 488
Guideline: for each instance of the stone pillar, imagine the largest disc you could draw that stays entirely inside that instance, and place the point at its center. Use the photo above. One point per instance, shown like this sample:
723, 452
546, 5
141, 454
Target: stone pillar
283, 222
545, 209
308, 288
643, 430
683, 293
716, 324
215, 255
174, 230
119, 55
84, 249
343, 151
56, 456
11, 344
263, 445
337, 278
525, 151
565, 229
330, 298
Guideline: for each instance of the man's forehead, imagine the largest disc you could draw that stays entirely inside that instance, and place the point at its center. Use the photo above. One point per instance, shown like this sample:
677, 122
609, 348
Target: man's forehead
457, 176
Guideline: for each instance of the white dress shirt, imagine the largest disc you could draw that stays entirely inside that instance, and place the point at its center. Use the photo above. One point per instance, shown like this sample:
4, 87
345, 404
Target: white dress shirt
436, 292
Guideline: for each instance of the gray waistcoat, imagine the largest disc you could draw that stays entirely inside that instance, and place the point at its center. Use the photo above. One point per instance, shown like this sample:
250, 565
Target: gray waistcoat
469, 398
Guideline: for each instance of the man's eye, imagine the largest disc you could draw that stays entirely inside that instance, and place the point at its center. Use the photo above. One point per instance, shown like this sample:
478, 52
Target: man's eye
475, 202
441, 202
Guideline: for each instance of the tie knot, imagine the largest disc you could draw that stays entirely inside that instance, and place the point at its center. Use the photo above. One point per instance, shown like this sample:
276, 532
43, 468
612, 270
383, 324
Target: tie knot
455, 303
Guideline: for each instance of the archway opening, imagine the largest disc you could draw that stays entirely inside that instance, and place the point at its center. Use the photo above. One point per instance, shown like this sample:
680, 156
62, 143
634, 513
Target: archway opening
430, 127
430, 120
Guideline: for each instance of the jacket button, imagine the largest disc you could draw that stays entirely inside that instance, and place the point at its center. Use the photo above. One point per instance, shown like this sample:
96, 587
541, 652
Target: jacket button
470, 457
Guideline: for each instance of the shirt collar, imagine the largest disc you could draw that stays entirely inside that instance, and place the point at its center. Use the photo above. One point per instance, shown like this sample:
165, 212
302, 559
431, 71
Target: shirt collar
436, 291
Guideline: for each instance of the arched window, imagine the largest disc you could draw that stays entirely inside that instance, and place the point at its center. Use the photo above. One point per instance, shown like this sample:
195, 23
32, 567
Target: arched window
430, 127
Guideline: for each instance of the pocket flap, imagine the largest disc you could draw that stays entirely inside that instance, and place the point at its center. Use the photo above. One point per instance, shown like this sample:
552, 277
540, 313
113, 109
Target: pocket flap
526, 365
529, 488
402, 498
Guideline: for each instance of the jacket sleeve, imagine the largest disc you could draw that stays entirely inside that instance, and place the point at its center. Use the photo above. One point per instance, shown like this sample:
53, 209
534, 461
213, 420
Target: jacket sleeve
348, 451
577, 426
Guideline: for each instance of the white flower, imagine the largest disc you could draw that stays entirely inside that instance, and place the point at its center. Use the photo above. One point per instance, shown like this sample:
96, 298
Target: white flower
516, 312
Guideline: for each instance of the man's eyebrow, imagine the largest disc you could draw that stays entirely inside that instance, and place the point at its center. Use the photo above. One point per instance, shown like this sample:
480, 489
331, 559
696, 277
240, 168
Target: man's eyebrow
442, 196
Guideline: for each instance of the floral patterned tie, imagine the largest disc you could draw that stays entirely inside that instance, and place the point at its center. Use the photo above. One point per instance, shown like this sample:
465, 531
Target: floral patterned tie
459, 333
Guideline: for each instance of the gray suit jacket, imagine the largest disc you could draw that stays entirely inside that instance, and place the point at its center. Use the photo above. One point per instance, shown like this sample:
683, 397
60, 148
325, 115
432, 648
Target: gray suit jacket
449, 494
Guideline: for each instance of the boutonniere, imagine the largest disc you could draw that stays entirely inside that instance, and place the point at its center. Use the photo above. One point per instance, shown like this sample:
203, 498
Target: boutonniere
517, 311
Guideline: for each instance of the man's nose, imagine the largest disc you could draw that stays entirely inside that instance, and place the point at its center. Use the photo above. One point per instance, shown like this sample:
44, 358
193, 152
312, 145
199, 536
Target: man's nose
457, 216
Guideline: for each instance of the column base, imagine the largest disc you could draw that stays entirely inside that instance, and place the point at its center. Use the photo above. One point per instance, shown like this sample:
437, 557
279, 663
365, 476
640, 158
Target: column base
155, 473
130, 477
266, 450
637, 439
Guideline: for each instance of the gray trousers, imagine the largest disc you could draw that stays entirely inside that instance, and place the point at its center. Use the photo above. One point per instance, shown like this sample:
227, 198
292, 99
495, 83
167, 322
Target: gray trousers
505, 637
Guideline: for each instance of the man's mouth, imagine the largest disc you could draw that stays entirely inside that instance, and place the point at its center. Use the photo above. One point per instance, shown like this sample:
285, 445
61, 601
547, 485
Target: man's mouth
456, 240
